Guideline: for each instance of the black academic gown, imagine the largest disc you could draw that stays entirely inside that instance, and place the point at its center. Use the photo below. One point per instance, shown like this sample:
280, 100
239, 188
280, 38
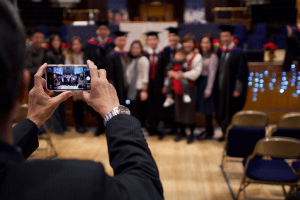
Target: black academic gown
155, 96
97, 52
292, 50
115, 75
226, 105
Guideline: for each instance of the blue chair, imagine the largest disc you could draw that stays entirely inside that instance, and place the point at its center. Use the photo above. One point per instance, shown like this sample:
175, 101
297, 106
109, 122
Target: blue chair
245, 130
64, 33
259, 38
240, 33
44, 29
275, 171
288, 126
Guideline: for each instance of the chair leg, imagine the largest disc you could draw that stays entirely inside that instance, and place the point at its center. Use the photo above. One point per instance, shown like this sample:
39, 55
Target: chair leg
284, 191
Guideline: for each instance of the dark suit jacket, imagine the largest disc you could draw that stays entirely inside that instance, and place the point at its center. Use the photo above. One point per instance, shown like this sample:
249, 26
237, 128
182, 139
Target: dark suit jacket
135, 172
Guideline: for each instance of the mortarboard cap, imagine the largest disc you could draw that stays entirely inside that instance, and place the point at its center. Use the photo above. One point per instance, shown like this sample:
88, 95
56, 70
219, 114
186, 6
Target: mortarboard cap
120, 33
102, 23
225, 28
152, 33
173, 30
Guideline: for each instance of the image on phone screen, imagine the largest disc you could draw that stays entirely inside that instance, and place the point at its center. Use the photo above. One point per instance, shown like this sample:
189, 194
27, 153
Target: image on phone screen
68, 78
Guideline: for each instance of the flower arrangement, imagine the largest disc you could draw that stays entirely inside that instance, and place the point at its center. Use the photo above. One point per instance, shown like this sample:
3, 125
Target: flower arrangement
63, 45
270, 46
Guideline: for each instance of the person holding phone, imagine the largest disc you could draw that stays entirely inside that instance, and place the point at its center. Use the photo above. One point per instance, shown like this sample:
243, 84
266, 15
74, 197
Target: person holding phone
55, 56
75, 55
135, 173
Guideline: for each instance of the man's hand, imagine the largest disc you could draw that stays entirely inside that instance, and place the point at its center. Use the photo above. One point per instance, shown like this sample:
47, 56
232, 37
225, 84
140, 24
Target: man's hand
170, 74
206, 96
236, 94
103, 96
40, 105
144, 96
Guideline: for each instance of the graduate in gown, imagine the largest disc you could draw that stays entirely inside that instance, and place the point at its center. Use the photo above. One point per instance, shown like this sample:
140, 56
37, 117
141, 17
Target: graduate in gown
116, 62
231, 82
168, 55
292, 47
158, 63
97, 48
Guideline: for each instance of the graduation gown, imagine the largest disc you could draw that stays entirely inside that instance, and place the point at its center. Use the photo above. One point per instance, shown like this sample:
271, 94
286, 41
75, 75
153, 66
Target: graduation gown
235, 69
292, 49
155, 96
96, 51
115, 74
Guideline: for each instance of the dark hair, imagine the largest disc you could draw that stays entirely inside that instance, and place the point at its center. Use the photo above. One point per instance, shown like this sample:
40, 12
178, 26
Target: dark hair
211, 39
180, 51
136, 42
36, 31
12, 54
51, 38
189, 37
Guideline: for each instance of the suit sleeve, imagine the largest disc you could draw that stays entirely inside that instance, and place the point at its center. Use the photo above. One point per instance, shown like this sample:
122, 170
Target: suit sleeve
242, 74
26, 137
136, 173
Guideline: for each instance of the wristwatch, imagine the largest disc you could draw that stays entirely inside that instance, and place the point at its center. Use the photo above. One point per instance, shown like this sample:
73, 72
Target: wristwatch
116, 111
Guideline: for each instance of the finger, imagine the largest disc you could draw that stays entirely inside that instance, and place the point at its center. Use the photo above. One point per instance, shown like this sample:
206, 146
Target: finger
45, 87
39, 74
93, 70
62, 97
86, 96
102, 74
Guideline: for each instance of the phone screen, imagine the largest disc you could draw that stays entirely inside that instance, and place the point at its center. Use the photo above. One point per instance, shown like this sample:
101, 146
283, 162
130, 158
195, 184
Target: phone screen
66, 77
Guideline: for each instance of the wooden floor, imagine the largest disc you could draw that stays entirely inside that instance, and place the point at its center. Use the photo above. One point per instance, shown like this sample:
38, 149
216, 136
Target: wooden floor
187, 172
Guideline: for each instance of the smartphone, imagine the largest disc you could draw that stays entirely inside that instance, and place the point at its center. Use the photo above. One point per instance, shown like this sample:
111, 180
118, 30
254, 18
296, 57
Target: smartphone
68, 77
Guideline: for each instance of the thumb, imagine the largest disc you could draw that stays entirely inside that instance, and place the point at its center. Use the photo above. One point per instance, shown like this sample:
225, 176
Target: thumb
62, 97
86, 96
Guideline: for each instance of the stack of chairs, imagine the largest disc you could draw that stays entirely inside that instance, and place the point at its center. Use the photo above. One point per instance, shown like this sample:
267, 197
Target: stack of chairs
270, 162
240, 33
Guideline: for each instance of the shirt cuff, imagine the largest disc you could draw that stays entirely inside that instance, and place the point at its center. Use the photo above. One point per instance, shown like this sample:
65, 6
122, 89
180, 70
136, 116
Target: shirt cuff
238, 86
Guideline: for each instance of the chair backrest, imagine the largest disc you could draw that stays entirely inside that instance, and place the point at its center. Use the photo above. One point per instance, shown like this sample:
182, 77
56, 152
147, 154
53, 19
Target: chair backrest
44, 29
290, 120
261, 29
241, 140
240, 30
250, 118
278, 147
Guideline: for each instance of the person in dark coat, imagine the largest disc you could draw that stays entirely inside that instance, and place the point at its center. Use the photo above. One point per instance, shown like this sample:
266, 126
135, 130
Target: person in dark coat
98, 47
135, 173
292, 47
116, 62
35, 54
55, 56
96, 50
158, 63
205, 97
231, 83
169, 52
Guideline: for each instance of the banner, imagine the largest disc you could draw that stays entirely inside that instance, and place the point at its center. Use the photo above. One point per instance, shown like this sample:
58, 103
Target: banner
117, 11
194, 11
137, 30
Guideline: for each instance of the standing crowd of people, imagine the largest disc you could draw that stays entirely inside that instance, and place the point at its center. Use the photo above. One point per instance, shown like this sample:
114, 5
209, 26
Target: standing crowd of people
160, 86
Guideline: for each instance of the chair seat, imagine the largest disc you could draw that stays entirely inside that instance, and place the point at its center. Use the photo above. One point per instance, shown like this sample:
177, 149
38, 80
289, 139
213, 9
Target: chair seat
271, 170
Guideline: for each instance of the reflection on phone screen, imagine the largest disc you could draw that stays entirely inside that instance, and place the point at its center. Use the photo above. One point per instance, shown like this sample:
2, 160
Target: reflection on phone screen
68, 78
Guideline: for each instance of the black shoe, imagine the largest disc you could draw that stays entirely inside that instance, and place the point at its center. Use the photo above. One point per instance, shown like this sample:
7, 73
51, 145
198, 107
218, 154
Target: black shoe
160, 135
191, 139
180, 137
221, 139
81, 130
